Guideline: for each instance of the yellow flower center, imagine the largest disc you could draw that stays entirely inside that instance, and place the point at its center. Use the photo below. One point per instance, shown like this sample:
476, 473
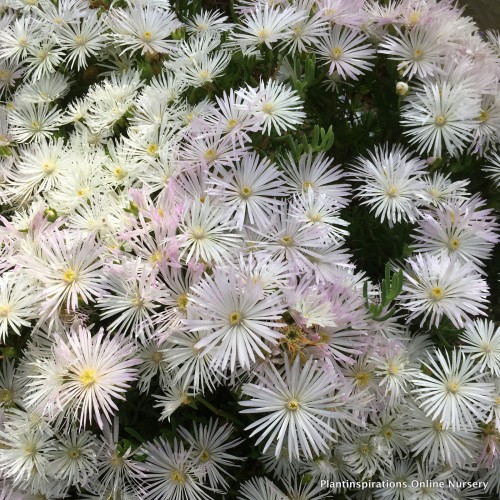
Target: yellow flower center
157, 357
418, 54
35, 125
210, 155
307, 184
203, 75
182, 302
287, 241
152, 149
74, 453
49, 167
415, 17
119, 173
232, 123
205, 456
362, 378
198, 233
82, 192
438, 426
5, 310
69, 276
440, 120
235, 318
293, 405
156, 257
6, 396
336, 53
392, 192
88, 377
436, 293
484, 115
245, 191
364, 449
268, 108
392, 369
178, 476
452, 387
147, 36
454, 244
263, 34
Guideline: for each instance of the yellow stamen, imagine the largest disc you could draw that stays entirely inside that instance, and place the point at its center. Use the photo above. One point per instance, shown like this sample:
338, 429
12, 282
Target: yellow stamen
88, 377
293, 405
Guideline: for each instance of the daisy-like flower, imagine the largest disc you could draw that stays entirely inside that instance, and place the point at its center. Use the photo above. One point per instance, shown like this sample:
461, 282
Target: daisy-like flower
307, 32
208, 21
73, 459
206, 233
17, 306
464, 229
418, 51
29, 122
250, 189
481, 340
318, 173
189, 363
278, 106
209, 445
83, 40
441, 115
100, 369
345, 51
24, 455
170, 472
455, 392
133, 293
299, 401
438, 285
239, 317
435, 443
143, 28
266, 25
493, 167
440, 189
392, 182
69, 269
260, 488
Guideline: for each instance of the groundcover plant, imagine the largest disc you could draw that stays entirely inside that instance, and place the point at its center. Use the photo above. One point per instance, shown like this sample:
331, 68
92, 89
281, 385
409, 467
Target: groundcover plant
247, 250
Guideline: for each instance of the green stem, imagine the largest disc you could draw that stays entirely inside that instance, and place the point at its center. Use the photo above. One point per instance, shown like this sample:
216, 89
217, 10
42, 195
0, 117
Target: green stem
219, 413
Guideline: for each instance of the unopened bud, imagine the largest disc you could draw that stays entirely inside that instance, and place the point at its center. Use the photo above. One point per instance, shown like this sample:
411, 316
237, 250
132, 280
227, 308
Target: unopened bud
401, 88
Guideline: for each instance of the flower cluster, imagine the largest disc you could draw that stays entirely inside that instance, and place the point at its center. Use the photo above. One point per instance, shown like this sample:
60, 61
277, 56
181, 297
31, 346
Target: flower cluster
246, 254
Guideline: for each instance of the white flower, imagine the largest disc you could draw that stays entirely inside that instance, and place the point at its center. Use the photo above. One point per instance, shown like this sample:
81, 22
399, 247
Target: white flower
481, 340
493, 167
73, 459
278, 106
99, 370
241, 320
344, 51
455, 393
17, 306
250, 189
318, 173
298, 401
68, 268
209, 445
418, 51
83, 40
206, 233
33, 122
464, 229
170, 472
437, 444
438, 285
260, 488
392, 182
266, 25
143, 27
441, 115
